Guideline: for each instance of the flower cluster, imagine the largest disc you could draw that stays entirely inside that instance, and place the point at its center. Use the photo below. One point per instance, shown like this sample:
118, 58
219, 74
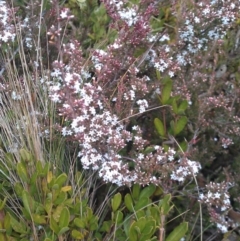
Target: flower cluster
217, 199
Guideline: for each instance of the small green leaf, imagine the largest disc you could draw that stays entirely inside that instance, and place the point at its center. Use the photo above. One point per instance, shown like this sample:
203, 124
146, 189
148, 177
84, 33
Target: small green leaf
166, 92
61, 179
19, 227
136, 191
180, 124
116, 201
142, 203
64, 218
128, 202
182, 107
77, 235
2, 203
39, 219
118, 217
174, 106
159, 127
28, 202
25, 155
54, 226
106, 226
63, 230
133, 235
147, 191
22, 172
178, 232
80, 223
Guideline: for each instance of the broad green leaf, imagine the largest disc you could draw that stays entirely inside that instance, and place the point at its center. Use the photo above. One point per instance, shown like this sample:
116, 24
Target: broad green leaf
22, 172
57, 212
133, 235
54, 226
128, 202
18, 226
77, 235
66, 188
178, 232
61, 179
142, 203
136, 191
64, 218
159, 127
180, 124
141, 222
106, 226
63, 230
116, 201
39, 219
80, 223
118, 217
182, 107
147, 191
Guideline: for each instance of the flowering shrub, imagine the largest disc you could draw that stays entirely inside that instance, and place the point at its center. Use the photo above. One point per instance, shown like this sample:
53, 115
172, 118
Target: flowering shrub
160, 90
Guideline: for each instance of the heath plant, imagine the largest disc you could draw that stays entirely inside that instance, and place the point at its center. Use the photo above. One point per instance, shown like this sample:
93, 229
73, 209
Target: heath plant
139, 92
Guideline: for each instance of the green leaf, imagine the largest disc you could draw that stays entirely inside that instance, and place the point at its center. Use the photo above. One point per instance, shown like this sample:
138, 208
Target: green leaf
133, 235
80, 223
28, 202
77, 235
25, 155
128, 202
61, 179
136, 191
159, 127
22, 172
116, 201
118, 217
142, 203
39, 219
182, 107
147, 191
17, 226
54, 226
180, 124
2, 203
178, 232
106, 226
64, 218
174, 106
166, 92
63, 230
57, 212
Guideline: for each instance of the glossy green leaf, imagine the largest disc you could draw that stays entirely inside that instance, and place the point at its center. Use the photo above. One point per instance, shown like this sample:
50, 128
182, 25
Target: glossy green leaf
64, 218
159, 127
180, 124
128, 202
178, 232
116, 201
